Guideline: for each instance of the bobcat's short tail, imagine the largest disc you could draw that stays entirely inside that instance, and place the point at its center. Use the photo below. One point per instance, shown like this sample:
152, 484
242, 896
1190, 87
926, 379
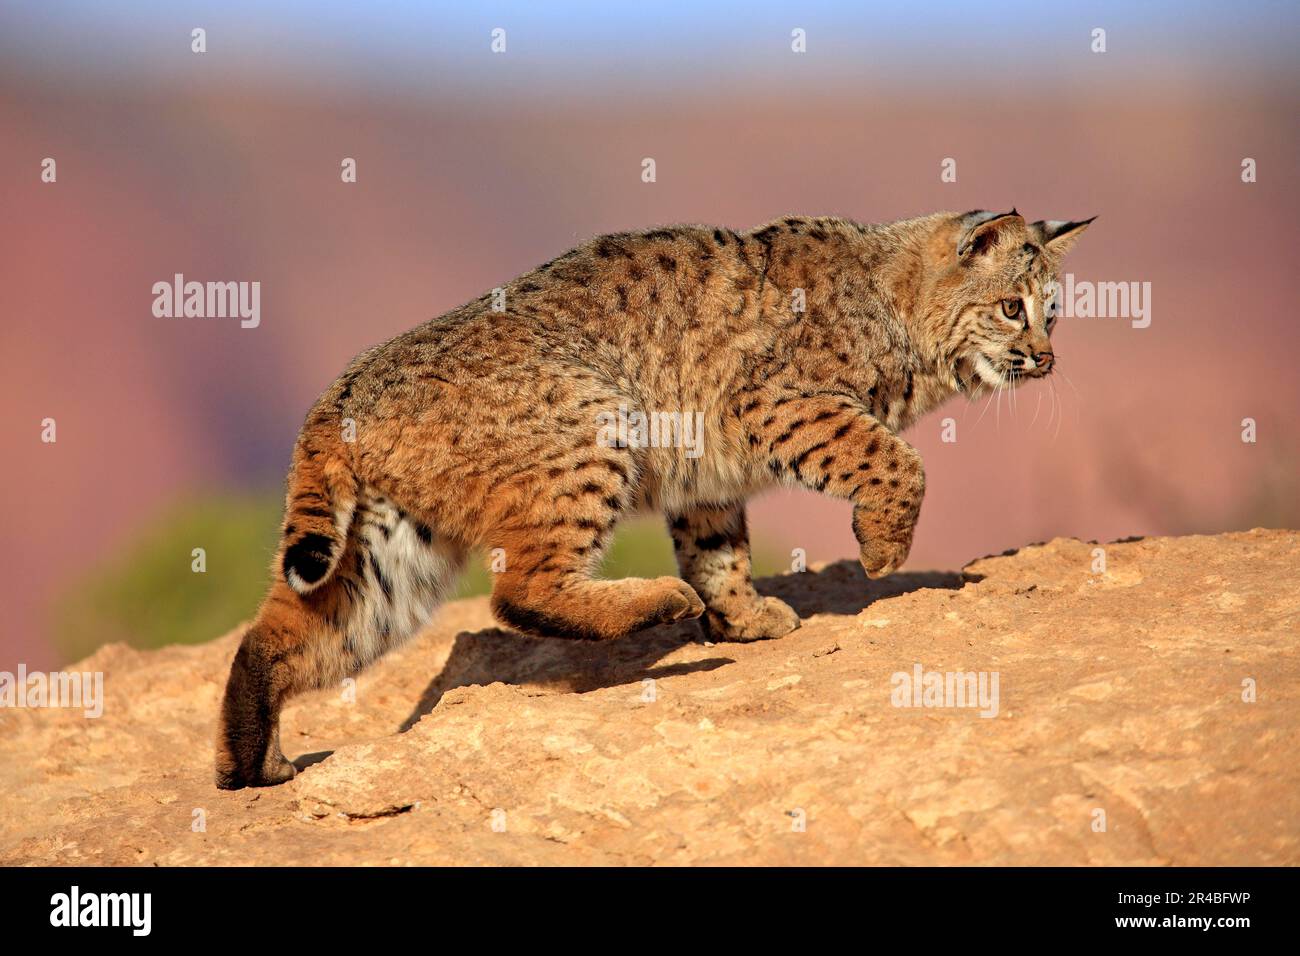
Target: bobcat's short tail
321, 500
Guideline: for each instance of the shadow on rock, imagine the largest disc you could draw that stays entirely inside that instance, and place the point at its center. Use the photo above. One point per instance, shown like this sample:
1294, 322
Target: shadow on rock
304, 761
844, 588
557, 664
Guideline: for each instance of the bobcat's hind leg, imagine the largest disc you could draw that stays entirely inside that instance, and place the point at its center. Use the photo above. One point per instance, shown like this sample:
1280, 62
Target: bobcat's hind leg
712, 546
268, 667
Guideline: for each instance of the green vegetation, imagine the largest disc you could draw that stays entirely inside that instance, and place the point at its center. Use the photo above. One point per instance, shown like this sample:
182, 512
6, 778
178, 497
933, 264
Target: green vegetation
148, 596
641, 549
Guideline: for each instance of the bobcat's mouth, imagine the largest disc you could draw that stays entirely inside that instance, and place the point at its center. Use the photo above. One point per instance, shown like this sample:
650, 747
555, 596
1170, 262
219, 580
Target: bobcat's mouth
1012, 369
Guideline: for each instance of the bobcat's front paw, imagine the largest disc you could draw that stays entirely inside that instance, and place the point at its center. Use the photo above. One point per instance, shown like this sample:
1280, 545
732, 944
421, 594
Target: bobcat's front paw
771, 617
679, 600
881, 557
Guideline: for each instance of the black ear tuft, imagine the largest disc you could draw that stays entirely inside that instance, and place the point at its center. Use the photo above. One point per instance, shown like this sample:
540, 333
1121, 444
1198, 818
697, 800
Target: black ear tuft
1060, 235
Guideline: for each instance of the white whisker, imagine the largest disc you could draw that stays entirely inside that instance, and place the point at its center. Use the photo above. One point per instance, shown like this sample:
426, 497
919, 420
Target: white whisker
985, 408
1051, 407
1059, 418
1077, 396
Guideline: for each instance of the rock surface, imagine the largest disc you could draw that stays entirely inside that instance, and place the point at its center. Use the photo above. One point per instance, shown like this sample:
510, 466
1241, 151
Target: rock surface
1119, 693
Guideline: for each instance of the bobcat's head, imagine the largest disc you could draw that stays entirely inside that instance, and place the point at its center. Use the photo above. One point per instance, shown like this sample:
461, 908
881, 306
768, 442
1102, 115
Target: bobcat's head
999, 289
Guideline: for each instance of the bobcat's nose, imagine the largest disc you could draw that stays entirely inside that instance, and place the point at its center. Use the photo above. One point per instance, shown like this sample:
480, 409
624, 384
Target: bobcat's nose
1044, 361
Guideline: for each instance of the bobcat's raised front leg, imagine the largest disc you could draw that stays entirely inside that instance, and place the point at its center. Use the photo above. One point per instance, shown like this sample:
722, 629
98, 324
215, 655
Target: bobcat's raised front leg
712, 547
832, 444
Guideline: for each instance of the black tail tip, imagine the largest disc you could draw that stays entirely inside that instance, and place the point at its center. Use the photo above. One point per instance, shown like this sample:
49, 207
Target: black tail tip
308, 559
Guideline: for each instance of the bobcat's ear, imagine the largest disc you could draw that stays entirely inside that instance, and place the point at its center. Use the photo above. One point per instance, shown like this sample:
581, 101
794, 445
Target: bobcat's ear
1059, 236
982, 231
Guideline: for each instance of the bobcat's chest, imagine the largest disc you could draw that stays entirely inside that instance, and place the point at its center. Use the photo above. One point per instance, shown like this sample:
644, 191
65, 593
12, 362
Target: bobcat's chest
674, 480
900, 404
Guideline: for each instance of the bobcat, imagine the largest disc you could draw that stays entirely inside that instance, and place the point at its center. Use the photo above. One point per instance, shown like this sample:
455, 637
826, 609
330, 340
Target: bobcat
804, 347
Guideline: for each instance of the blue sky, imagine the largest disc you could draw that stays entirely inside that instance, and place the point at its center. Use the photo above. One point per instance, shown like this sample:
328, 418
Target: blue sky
589, 46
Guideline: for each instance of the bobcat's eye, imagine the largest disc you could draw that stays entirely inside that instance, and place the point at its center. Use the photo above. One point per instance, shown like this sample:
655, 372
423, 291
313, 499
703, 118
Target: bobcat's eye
1011, 308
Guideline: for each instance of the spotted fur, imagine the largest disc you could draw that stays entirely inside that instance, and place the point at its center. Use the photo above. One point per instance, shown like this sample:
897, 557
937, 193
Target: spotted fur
481, 429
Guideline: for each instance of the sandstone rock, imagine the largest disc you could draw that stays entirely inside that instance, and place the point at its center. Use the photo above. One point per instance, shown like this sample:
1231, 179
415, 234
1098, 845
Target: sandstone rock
1119, 692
